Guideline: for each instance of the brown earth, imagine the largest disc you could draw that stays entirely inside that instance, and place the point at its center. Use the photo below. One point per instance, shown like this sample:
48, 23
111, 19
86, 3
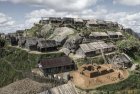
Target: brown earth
84, 82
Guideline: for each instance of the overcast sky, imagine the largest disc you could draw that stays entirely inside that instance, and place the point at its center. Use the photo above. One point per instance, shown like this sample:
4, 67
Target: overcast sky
21, 14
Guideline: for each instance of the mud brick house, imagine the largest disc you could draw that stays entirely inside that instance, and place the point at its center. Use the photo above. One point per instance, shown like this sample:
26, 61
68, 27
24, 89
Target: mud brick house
78, 22
31, 43
56, 65
92, 71
94, 48
46, 45
99, 35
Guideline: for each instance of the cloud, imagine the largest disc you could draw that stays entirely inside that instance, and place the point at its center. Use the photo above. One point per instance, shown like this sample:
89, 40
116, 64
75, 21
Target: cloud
71, 5
125, 18
127, 2
5, 20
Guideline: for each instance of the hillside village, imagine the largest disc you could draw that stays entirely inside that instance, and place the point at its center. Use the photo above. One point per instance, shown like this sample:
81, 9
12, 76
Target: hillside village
92, 56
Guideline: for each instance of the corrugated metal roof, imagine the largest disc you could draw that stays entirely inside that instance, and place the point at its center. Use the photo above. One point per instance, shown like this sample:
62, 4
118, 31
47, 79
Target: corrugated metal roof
94, 46
111, 33
119, 33
56, 62
92, 22
96, 34
78, 20
47, 43
31, 41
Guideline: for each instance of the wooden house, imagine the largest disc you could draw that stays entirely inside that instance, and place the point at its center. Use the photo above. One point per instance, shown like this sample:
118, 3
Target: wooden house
78, 22
21, 42
99, 35
44, 20
112, 35
68, 21
60, 40
92, 23
120, 35
101, 23
94, 48
123, 61
73, 42
46, 45
14, 40
56, 65
87, 50
111, 24
19, 32
55, 20
31, 43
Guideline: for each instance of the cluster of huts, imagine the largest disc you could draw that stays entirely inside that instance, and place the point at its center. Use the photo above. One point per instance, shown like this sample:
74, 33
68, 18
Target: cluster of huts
91, 46
95, 48
68, 43
66, 21
34, 44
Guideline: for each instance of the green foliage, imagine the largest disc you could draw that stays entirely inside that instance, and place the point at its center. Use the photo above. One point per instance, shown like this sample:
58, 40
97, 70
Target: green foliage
130, 45
2, 42
33, 32
133, 82
15, 63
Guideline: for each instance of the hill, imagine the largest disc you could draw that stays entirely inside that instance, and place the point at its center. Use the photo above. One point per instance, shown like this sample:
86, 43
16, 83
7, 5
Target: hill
16, 63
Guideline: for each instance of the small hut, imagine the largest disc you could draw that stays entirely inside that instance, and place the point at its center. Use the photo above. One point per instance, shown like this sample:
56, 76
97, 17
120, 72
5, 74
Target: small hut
78, 22
112, 35
46, 45
31, 43
92, 23
55, 20
98, 35
56, 65
21, 42
68, 21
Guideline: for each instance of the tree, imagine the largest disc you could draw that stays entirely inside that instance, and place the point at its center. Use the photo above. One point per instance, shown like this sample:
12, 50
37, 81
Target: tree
130, 46
2, 43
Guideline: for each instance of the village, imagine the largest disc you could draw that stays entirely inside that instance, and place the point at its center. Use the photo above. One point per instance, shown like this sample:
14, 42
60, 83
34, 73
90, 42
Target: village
77, 45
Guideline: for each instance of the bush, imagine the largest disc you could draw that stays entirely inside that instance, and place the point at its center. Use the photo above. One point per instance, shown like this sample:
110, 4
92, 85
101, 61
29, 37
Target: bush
2, 43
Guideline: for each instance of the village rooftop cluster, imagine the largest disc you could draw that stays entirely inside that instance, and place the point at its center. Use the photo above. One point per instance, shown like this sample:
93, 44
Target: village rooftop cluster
77, 45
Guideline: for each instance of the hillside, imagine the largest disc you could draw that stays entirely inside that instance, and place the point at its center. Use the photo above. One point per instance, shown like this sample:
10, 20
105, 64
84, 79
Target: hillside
17, 63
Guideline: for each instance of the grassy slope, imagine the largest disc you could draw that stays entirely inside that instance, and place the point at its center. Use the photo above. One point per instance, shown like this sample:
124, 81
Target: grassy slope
21, 62
132, 83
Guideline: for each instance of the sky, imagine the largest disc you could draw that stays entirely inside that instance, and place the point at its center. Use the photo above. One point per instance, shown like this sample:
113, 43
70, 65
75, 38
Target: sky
22, 14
